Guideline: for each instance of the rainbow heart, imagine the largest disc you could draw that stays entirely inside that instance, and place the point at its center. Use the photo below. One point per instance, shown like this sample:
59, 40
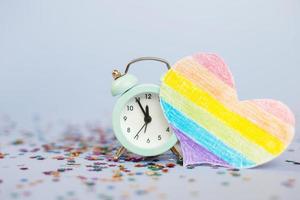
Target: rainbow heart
200, 102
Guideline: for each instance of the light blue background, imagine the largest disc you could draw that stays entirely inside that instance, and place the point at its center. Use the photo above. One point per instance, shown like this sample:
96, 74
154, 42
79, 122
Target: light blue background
56, 56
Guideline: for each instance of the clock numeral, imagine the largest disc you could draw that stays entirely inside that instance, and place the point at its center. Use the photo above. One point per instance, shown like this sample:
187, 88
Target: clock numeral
130, 108
125, 118
138, 98
148, 140
128, 130
159, 137
148, 96
168, 129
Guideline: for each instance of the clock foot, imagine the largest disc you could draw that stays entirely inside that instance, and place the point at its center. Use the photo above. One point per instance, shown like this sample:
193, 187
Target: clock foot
119, 152
177, 153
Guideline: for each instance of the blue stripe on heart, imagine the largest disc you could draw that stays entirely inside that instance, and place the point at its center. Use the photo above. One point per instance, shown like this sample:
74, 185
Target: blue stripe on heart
204, 138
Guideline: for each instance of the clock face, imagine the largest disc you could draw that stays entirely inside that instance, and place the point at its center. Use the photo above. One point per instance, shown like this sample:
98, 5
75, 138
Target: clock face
143, 123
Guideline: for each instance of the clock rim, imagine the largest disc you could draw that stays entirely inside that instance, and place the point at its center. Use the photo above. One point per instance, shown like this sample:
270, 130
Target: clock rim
121, 102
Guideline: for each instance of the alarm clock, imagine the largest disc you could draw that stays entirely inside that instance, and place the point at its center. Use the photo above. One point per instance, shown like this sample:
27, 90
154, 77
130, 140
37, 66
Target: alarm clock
138, 120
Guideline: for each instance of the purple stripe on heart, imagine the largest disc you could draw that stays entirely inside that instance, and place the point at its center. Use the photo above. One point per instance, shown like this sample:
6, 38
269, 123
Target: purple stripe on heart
194, 153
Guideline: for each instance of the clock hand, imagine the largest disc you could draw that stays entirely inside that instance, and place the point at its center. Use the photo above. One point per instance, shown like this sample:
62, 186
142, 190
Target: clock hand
137, 135
148, 119
147, 110
145, 128
140, 105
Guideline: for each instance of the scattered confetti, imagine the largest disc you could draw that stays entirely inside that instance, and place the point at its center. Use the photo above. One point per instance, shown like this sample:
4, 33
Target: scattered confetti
82, 156
2, 155
190, 166
225, 183
18, 142
290, 183
170, 165
294, 162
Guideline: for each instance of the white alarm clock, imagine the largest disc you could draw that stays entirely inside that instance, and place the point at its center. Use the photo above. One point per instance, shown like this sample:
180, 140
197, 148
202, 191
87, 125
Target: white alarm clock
138, 120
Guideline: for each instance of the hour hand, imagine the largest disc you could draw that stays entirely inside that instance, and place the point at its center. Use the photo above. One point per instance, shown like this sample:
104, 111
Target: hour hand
147, 119
140, 105
147, 110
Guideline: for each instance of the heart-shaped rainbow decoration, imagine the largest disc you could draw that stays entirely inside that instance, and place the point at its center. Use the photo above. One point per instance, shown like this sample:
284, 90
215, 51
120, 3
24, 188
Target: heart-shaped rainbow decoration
200, 102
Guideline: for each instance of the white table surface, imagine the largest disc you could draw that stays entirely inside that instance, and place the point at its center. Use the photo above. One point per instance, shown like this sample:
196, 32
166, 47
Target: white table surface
275, 180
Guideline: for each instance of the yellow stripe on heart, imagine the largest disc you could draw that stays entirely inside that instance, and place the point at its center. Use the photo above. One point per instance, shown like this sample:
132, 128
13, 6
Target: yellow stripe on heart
202, 78
213, 125
242, 125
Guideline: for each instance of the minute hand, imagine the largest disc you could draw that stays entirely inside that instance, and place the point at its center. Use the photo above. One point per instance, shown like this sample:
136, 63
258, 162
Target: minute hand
137, 135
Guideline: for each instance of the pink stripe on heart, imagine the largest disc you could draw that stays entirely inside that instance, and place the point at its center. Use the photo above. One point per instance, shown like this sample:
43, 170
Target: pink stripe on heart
215, 65
277, 109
